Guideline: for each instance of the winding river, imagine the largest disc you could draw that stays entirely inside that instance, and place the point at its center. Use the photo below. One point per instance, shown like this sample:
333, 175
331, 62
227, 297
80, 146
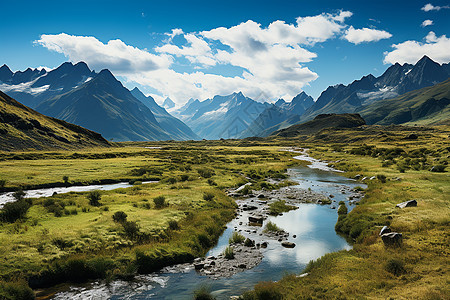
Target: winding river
312, 225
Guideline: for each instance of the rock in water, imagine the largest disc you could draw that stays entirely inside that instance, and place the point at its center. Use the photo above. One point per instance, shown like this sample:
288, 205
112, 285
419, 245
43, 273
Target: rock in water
288, 244
392, 239
410, 203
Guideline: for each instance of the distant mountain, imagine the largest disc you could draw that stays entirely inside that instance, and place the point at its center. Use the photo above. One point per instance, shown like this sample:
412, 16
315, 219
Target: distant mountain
168, 103
321, 122
104, 105
396, 80
221, 116
22, 128
426, 106
280, 115
173, 126
31, 87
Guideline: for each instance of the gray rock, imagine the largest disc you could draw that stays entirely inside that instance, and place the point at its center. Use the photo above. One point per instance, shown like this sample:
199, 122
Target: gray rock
410, 203
264, 245
392, 239
256, 219
384, 230
288, 244
199, 266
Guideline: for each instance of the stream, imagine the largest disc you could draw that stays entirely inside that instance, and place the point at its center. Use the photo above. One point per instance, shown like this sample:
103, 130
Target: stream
311, 224
47, 192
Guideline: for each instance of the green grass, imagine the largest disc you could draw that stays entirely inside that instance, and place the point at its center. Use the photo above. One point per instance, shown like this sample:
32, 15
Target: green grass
280, 206
271, 227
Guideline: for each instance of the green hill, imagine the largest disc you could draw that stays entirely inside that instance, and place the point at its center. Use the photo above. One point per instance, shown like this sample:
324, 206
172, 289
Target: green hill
22, 128
427, 106
321, 122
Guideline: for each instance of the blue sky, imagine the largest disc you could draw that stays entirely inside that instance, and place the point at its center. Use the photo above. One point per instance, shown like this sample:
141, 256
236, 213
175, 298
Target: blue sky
184, 49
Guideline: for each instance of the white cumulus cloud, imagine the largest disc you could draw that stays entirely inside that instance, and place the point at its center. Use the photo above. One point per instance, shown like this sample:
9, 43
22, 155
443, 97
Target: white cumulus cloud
358, 36
430, 7
114, 55
437, 48
427, 23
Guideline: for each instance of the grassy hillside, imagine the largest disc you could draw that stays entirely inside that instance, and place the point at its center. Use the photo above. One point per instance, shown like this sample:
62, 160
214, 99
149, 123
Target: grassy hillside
321, 122
427, 106
22, 128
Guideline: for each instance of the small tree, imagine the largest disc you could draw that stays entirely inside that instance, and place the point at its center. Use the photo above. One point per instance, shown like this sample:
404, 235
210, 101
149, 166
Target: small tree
159, 201
66, 179
131, 229
94, 198
119, 217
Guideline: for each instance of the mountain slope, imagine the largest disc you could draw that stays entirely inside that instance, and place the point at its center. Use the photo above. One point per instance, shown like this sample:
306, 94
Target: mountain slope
222, 116
22, 128
396, 80
280, 115
173, 126
104, 105
321, 122
426, 106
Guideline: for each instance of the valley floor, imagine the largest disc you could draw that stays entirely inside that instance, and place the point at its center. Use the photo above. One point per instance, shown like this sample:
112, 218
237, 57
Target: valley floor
70, 238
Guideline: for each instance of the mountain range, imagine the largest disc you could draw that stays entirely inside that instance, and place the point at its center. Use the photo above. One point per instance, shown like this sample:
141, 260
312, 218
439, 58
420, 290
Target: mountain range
97, 101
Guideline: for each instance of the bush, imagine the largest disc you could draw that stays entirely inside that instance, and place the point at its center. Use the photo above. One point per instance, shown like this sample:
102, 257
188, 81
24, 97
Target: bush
271, 227
131, 229
203, 293
159, 201
395, 266
279, 207
94, 198
12, 211
173, 225
381, 178
236, 238
2, 183
342, 209
205, 172
184, 177
119, 217
211, 182
228, 253
16, 290
208, 196
171, 180
66, 179
264, 291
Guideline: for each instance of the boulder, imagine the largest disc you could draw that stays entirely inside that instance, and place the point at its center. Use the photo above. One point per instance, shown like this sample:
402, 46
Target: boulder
384, 230
199, 266
249, 207
261, 196
392, 239
410, 203
256, 219
288, 244
264, 245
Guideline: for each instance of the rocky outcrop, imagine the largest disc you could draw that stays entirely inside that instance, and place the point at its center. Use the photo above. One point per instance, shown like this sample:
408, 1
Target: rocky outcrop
410, 203
392, 239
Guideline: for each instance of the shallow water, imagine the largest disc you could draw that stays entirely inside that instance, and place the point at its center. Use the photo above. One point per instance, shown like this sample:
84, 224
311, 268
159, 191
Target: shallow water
312, 224
47, 192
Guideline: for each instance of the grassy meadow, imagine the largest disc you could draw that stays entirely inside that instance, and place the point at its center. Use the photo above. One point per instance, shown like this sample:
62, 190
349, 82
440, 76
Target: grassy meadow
71, 238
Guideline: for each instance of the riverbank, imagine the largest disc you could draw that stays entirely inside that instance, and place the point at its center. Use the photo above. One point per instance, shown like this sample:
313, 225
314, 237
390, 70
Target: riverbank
396, 169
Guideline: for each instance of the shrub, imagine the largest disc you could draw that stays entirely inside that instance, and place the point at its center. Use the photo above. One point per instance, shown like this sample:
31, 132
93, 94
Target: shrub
173, 225
94, 198
131, 229
381, 178
236, 238
205, 172
342, 209
16, 290
264, 291
66, 179
279, 207
171, 180
12, 211
184, 177
211, 182
119, 217
208, 196
2, 183
271, 227
228, 253
203, 293
159, 201
395, 266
